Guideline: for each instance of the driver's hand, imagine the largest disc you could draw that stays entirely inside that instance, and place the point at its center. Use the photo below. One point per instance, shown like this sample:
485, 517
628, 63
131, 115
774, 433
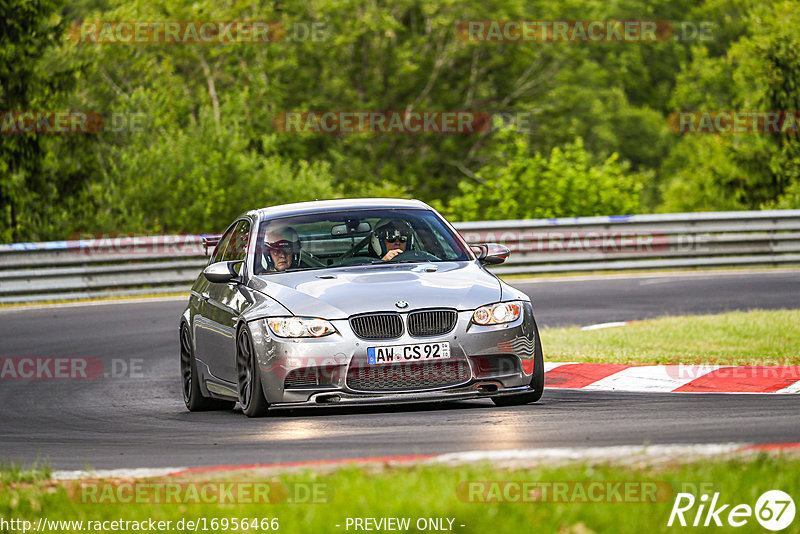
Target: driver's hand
391, 254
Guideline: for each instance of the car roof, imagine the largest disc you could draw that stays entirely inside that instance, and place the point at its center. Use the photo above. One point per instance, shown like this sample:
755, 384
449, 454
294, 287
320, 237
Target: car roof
344, 204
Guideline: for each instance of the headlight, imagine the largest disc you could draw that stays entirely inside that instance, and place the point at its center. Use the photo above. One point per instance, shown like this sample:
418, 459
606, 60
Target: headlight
502, 312
300, 327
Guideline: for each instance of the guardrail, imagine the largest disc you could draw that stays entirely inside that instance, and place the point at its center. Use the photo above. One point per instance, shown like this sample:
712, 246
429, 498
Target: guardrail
160, 264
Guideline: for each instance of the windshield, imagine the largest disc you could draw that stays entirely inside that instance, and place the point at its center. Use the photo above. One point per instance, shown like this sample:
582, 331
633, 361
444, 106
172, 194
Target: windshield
356, 237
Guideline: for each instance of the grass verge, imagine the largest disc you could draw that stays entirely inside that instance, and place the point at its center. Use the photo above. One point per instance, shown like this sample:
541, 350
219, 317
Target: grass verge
736, 338
11, 472
438, 492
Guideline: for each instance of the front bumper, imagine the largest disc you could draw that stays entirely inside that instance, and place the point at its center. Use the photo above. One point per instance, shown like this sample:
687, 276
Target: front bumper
498, 360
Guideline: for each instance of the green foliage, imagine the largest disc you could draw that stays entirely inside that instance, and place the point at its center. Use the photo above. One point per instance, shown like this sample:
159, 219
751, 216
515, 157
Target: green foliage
194, 149
33, 77
790, 199
190, 181
521, 185
202, 146
760, 72
708, 174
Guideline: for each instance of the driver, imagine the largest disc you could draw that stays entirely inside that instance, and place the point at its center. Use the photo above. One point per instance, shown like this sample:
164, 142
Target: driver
282, 249
391, 238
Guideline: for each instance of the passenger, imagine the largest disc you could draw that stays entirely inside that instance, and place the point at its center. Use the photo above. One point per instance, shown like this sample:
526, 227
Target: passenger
282, 249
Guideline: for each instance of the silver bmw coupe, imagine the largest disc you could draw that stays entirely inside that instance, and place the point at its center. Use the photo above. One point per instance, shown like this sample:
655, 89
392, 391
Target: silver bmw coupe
343, 302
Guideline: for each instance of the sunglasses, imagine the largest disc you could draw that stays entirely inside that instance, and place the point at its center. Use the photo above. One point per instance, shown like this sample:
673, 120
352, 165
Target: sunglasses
283, 247
394, 239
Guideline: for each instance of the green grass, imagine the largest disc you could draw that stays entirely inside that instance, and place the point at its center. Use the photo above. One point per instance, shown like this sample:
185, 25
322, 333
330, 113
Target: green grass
432, 491
737, 338
12, 472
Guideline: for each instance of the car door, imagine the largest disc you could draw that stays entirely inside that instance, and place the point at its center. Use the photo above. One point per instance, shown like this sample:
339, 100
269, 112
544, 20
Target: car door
201, 326
222, 307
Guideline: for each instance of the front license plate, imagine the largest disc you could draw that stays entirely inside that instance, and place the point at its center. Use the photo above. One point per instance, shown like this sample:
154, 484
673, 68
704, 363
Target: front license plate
409, 353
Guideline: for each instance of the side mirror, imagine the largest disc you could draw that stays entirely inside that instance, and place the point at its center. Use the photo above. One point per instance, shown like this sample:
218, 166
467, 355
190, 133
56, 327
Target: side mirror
222, 272
490, 253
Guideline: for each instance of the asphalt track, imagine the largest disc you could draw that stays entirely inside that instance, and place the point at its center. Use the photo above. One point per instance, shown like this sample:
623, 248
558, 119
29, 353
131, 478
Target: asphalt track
140, 420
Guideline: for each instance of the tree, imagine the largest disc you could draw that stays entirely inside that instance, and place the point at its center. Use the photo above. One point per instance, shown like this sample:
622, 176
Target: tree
570, 182
31, 79
760, 72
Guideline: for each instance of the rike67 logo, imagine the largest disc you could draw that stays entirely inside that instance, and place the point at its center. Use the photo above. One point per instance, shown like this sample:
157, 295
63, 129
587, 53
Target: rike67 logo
774, 510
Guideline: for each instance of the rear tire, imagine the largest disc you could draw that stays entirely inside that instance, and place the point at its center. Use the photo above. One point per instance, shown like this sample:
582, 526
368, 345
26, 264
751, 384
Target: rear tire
537, 380
192, 396
251, 394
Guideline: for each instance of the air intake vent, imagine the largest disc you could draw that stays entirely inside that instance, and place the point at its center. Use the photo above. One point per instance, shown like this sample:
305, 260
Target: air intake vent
431, 322
299, 378
377, 326
408, 377
495, 365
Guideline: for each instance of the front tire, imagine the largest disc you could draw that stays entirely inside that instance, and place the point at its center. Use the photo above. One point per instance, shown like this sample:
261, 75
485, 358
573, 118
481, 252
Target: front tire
251, 394
192, 396
537, 380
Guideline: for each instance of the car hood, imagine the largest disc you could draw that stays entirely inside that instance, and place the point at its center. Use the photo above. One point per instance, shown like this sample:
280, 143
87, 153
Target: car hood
341, 292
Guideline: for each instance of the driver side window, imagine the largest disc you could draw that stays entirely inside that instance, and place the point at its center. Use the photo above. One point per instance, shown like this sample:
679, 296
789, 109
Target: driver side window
220, 248
236, 248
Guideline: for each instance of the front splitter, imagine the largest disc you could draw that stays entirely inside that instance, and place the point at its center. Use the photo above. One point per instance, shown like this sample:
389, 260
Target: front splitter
341, 398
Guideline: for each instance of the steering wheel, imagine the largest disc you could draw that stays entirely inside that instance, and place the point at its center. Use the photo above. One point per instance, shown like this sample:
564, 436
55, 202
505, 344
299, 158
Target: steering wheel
411, 255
